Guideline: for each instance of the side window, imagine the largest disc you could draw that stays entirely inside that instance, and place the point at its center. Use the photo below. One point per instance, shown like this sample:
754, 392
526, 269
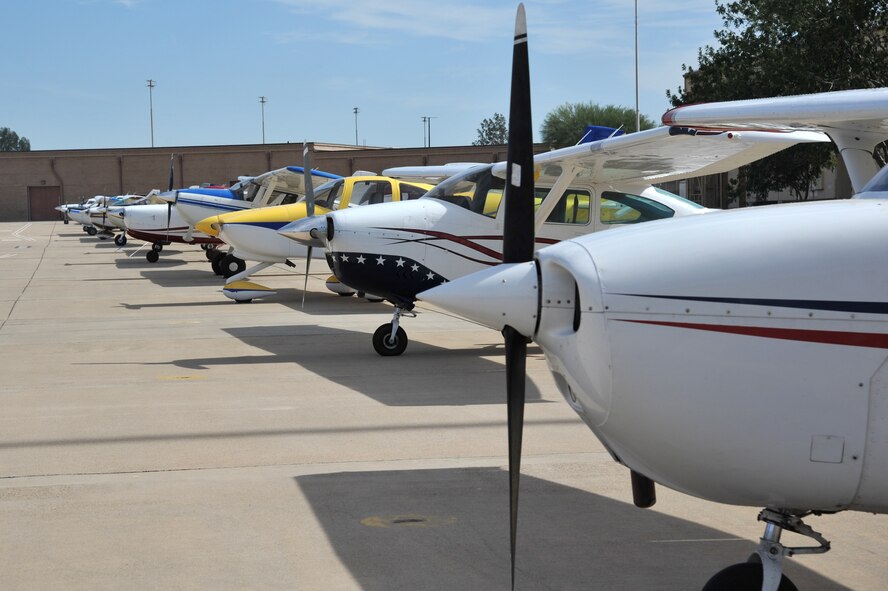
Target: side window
411, 191
573, 207
622, 208
370, 192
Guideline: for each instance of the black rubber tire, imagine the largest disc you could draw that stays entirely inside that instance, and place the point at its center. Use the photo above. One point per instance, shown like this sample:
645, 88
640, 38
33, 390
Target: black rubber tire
745, 576
384, 345
345, 295
215, 264
91, 231
153, 256
243, 301
157, 247
120, 240
231, 265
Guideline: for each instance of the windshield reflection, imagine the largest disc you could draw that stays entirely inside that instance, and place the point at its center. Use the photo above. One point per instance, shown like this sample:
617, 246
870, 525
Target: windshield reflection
476, 189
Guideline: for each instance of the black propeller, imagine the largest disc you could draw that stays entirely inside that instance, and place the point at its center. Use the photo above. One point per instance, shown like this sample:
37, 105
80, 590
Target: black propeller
309, 207
518, 244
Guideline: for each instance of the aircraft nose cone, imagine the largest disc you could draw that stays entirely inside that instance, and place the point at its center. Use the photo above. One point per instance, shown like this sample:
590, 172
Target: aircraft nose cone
309, 231
503, 295
209, 226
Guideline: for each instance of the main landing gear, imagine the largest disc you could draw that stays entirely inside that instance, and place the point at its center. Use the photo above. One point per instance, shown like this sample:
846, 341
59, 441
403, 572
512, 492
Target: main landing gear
153, 255
764, 569
390, 340
225, 263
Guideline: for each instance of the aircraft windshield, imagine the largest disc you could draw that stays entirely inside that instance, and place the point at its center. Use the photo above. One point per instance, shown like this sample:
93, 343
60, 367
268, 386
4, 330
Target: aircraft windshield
476, 189
245, 189
877, 184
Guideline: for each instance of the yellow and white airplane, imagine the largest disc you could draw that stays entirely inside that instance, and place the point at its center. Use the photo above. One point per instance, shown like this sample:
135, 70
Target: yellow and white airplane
747, 380
253, 234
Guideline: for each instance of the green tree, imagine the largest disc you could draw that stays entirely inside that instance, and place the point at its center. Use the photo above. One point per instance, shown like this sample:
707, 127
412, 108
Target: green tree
565, 124
11, 142
785, 47
492, 131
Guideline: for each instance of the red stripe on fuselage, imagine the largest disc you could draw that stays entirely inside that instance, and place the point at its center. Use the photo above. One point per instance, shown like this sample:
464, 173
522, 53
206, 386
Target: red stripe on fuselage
467, 241
826, 337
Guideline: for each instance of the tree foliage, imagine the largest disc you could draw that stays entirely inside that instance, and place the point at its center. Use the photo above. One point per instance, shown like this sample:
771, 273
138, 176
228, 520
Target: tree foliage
784, 47
11, 142
492, 131
565, 124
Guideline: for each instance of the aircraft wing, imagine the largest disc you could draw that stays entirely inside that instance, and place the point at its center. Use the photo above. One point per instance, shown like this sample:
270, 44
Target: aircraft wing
292, 178
665, 154
862, 110
428, 174
856, 120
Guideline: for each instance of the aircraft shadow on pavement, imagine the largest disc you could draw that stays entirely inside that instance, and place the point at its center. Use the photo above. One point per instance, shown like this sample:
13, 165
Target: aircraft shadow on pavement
424, 376
449, 529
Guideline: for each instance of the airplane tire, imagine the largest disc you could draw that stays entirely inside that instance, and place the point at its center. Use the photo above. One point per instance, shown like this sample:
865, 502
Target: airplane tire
91, 231
384, 344
231, 265
346, 294
153, 256
120, 240
243, 301
745, 576
157, 247
84, 228
215, 264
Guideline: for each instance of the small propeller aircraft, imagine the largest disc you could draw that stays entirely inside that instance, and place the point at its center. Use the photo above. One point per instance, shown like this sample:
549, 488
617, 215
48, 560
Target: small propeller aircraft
275, 187
398, 250
174, 219
781, 308
253, 235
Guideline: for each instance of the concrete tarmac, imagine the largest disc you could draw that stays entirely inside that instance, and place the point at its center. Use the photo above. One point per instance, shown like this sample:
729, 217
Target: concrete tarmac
156, 435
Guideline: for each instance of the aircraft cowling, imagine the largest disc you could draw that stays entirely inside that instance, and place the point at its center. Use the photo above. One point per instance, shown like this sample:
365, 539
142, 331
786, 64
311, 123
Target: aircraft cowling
749, 380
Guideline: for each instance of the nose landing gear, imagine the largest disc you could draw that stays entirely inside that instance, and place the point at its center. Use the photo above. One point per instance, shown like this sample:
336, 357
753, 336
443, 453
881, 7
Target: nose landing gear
390, 340
764, 569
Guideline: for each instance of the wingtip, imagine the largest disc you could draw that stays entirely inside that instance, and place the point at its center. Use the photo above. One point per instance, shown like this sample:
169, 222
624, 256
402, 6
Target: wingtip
520, 24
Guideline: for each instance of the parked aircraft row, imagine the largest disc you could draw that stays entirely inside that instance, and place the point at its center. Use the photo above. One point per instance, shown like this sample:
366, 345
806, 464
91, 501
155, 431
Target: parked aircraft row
621, 284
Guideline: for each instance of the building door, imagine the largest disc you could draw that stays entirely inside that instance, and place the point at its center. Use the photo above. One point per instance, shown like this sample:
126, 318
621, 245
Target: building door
42, 202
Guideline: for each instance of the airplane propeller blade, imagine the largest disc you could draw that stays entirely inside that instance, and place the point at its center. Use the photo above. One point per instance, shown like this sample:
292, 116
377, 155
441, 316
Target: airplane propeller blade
309, 208
518, 243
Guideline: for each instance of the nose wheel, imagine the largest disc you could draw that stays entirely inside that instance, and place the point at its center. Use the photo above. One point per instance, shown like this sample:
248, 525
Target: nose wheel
390, 340
764, 569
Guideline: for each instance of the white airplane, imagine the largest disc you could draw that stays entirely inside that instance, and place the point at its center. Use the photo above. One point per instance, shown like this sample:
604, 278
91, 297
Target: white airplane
740, 356
253, 235
174, 220
275, 187
400, 249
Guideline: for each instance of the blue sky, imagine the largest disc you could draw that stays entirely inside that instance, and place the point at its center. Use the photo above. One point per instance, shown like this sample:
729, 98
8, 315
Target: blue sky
74, 72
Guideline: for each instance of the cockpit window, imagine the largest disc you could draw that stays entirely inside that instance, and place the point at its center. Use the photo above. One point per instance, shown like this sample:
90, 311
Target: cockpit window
878, 183
622, 208
476, 189
573, 207
411, 191
370, 193
324, 195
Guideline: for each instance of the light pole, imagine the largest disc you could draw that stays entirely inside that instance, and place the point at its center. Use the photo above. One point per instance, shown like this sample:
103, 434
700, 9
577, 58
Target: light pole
356, 111
424, 136
428, 129
262, 101
151, 109
637, 114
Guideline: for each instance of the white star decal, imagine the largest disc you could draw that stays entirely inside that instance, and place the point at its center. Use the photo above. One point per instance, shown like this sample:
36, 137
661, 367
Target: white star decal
361, 259
380, 260
343, 257
430, 276
414, 267
400, 262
